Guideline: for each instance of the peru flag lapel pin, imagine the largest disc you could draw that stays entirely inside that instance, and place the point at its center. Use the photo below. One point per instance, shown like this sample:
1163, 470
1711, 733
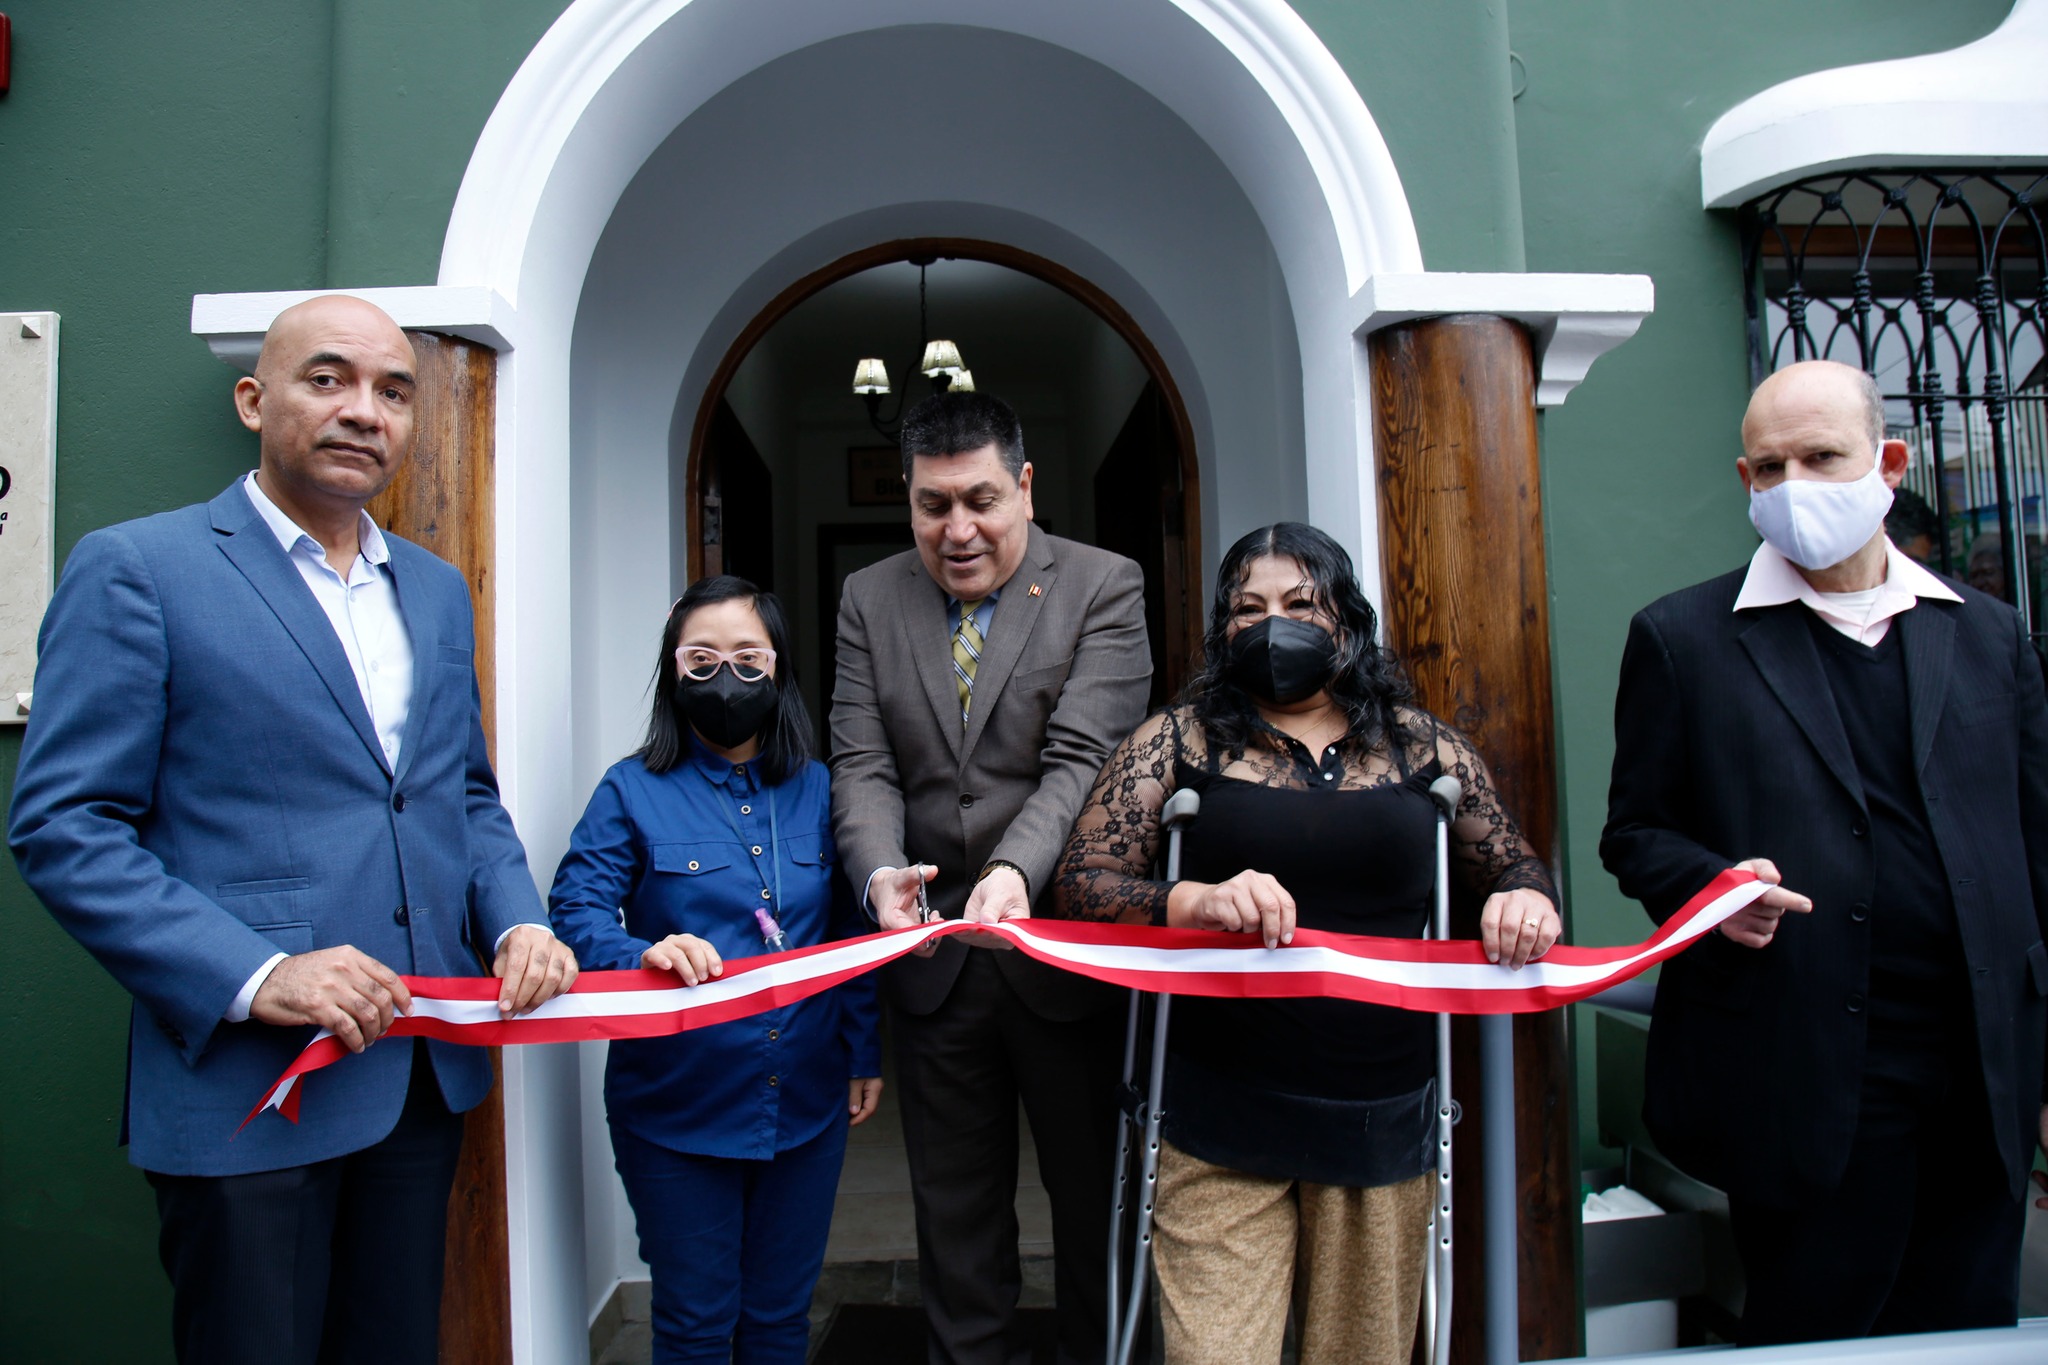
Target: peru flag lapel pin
1035, 591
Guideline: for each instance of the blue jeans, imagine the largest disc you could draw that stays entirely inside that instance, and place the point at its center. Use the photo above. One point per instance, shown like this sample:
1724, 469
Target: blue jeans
735, 1245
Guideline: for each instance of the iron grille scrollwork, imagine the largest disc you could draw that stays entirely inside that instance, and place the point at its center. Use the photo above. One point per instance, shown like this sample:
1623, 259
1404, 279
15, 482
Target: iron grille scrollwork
1933, 283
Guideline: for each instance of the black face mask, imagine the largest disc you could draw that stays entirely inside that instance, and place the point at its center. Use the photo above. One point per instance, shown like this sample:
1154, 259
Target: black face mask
725, 710
1282, 660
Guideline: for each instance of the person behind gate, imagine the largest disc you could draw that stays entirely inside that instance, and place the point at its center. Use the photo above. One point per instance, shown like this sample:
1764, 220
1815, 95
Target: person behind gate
255, 788
983, 678
713, 841
1863, 1077
1298, 1136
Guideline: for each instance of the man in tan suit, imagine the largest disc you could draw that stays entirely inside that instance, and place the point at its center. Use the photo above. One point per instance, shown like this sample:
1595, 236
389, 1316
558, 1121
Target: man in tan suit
983, 679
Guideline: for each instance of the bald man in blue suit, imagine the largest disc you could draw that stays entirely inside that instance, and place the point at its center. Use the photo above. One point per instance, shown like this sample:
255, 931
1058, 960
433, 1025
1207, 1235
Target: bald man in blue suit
255, 788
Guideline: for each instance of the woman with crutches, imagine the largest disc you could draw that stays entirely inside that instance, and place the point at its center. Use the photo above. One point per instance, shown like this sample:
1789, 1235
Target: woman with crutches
1298, 1135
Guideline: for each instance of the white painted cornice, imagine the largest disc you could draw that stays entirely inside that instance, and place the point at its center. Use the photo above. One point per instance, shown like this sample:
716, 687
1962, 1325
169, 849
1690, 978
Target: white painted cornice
234, 324
1984, 104
1574, 319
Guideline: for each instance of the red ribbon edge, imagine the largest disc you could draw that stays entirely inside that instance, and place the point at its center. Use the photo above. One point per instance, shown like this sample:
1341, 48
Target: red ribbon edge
1282, 984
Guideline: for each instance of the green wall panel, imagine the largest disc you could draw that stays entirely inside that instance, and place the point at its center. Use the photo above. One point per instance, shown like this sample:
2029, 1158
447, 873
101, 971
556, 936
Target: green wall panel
147, 153
1436, 79
414, 85
1640, 483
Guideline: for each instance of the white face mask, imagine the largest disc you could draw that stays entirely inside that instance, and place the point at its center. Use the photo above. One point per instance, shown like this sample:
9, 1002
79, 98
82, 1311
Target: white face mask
1817, 524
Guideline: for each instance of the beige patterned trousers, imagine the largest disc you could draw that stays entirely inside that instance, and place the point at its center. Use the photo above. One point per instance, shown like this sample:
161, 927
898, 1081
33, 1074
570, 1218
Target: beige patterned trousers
1232, 1251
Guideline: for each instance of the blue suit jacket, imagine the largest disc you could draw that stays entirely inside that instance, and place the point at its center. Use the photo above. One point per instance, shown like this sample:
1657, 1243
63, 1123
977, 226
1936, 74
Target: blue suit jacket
201, 787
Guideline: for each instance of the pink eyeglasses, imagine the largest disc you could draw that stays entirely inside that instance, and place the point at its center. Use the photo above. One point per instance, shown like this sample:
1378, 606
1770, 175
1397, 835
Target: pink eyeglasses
698, 662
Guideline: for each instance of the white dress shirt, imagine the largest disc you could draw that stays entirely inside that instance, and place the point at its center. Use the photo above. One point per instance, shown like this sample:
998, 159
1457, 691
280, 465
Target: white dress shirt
363, 609
1865, 616
367, 620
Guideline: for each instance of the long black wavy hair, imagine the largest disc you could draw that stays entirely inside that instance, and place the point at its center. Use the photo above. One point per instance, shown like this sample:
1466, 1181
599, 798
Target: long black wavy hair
785, 740
1368, 684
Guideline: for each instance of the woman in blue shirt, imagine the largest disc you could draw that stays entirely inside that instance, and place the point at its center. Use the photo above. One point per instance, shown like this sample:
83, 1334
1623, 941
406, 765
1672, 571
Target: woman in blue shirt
715, 842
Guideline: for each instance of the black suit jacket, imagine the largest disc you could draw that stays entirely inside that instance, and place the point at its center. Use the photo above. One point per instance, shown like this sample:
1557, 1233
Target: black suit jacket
1728, 746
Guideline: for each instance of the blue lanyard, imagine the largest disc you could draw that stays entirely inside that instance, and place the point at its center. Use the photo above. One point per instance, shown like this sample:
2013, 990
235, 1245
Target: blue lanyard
774, 855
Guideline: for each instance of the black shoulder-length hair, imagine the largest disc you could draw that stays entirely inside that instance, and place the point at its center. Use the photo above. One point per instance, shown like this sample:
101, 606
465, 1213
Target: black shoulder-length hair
786, 739
1368, 683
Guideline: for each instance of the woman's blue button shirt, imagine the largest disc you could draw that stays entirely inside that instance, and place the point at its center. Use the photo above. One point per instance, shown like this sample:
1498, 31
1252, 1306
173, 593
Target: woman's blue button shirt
655, 855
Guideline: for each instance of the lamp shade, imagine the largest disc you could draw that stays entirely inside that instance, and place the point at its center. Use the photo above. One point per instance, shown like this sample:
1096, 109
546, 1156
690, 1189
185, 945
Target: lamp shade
963, 381
871, 376
940, 357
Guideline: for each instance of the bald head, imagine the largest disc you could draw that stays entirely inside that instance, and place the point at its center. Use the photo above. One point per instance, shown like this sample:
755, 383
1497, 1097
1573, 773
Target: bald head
332, 404
1812, 385
304, 323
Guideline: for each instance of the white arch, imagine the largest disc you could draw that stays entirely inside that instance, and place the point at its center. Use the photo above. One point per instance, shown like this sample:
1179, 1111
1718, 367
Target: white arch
577, 68
1981, 104
601, 91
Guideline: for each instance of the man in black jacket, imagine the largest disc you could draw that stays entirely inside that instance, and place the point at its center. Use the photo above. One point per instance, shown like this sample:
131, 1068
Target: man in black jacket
1864, 1075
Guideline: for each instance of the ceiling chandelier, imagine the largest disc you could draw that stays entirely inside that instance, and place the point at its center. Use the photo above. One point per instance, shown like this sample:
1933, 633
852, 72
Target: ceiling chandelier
940, 363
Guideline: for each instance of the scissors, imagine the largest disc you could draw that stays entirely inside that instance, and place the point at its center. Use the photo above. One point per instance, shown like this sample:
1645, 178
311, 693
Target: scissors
924, 904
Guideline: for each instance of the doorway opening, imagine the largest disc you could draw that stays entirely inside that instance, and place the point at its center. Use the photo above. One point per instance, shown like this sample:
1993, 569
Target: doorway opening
790, 484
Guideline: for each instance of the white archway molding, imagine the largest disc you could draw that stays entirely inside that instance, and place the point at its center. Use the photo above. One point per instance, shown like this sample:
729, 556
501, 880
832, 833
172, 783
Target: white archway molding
1151, 217
599, 95
580, 86
1981, 104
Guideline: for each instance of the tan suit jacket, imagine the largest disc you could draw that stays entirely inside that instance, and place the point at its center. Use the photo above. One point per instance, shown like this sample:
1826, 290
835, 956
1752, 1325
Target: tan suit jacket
1063, 678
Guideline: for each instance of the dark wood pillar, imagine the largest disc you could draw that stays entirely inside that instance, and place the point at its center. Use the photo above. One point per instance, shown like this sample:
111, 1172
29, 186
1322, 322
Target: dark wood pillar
1468, 609
443, 499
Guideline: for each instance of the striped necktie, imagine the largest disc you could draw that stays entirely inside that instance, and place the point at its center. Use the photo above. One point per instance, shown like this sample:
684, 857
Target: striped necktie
966, 654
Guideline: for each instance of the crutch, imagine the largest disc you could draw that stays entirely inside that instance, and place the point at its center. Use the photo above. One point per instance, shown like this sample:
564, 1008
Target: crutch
1436, 1274
1135, 1110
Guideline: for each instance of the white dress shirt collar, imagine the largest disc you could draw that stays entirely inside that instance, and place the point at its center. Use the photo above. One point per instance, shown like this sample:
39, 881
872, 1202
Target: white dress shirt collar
289, 533
1774, 580
364, 611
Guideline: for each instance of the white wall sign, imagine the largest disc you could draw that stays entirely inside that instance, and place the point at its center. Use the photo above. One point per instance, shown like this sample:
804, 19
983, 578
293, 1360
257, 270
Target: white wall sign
28, 463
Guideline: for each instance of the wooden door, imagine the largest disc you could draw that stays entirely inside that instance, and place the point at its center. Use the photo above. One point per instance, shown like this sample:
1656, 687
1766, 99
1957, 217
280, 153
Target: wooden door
736, 517
1141, 512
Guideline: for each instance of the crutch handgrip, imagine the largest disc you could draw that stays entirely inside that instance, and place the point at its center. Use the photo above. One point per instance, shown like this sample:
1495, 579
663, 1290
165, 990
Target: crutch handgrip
1183, 806
1447, 792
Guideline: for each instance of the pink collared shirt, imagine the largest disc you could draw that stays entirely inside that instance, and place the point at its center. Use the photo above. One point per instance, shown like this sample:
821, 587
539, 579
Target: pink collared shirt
1864, 617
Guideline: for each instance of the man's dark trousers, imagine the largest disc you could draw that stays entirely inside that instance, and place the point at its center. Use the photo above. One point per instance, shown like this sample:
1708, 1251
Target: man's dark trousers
337, 1263
963, 1068
1923, 1234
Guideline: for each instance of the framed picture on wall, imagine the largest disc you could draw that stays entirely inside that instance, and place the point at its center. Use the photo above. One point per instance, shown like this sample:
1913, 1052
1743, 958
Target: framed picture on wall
874, 476
845, 548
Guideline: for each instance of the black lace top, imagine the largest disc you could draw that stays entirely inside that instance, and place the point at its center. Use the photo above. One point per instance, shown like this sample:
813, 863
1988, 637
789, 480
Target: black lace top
1349, 832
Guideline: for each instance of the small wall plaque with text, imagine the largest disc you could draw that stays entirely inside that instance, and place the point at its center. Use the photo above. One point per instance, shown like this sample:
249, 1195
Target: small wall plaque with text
28, 464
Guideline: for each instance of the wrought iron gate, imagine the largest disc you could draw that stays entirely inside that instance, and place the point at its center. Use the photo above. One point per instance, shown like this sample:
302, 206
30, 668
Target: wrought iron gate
1932, 282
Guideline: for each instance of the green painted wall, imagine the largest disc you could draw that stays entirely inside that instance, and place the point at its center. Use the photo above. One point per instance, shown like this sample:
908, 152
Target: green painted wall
1436, 80
149, 152
414, 85
1640, 485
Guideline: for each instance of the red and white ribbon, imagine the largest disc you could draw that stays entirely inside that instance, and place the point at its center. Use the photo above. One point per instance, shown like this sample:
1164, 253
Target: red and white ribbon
1432, 976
